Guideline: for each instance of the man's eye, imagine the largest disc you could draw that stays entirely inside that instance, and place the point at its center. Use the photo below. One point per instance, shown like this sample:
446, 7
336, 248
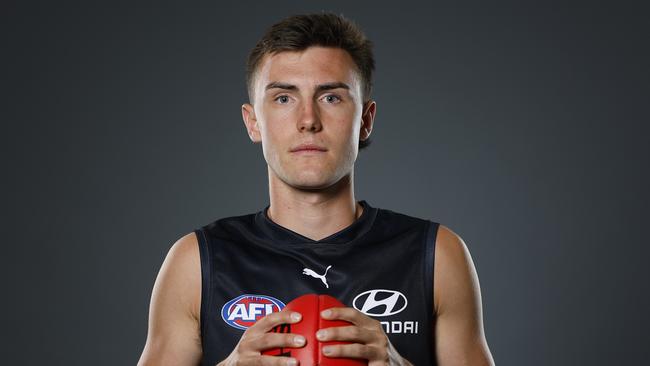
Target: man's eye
283, 99
329, 98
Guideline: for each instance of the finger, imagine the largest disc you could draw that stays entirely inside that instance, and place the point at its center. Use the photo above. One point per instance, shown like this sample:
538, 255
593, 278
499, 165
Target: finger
354, 350
350, 333
349, 314
277, 340
269, 361
280, 317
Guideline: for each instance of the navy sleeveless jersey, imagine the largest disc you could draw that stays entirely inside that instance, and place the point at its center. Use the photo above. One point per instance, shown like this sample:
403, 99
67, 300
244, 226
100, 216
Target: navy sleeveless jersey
382, 265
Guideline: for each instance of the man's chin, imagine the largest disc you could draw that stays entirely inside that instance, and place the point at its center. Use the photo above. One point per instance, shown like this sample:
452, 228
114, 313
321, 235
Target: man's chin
311, 185
311, 182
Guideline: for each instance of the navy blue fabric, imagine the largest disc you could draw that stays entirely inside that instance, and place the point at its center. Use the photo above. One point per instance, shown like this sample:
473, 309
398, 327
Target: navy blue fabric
383, 255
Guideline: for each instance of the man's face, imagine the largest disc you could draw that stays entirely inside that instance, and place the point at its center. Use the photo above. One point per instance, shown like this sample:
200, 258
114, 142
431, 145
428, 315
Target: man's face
309, 97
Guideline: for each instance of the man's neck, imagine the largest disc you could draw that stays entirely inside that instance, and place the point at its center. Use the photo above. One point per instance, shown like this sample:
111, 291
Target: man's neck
313, 214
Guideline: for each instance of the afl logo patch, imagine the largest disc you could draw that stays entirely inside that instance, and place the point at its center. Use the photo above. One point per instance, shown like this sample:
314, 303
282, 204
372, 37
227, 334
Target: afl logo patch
380, 302
244, 310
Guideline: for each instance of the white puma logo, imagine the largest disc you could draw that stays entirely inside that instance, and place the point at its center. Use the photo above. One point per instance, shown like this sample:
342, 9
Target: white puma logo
309, 272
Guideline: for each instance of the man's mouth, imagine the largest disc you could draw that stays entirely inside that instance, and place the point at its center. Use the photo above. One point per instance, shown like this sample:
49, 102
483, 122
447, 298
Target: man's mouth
308, 148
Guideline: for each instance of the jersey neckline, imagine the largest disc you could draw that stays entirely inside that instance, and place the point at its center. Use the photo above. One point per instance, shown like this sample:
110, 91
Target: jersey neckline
282, 235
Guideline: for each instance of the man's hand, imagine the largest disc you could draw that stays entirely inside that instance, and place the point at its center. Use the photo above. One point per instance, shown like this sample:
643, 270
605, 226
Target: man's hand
370, 340
257, 339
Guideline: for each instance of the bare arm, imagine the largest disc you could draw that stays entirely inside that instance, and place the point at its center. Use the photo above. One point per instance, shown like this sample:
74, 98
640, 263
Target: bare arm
174, 336
459, 335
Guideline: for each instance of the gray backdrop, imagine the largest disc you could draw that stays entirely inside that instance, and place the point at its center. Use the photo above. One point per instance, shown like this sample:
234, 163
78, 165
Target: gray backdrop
522, 126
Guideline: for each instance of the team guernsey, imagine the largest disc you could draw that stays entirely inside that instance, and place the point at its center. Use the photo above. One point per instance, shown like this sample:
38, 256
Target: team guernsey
381, 264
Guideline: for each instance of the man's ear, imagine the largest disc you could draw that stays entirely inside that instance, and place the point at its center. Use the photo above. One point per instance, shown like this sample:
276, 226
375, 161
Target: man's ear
367, 119
250, 121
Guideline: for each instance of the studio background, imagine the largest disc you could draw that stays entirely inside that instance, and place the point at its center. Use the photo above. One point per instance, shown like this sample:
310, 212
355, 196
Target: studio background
522, 126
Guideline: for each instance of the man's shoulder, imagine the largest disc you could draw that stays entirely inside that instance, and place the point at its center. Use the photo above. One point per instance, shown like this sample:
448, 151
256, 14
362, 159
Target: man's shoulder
231, 224
398, 219
182, 267
185, 246
454, 268
395, 223
449, 245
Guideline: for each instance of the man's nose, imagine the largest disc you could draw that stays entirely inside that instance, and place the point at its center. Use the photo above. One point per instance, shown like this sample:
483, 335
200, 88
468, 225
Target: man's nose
309, 118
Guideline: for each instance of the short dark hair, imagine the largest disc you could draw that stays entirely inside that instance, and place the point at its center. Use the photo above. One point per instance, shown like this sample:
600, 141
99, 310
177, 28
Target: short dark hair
298, 32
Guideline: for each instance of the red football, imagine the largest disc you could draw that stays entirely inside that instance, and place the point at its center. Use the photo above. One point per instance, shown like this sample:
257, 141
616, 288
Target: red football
310, 306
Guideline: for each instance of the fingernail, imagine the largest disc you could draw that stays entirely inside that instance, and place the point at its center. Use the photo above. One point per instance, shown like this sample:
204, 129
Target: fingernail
321, 334
326, 313
295, 316
327, 350
292, 362
299, 340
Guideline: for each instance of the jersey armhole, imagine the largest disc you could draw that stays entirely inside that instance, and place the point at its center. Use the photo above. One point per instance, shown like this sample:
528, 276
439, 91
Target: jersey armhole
429, 262
206, 270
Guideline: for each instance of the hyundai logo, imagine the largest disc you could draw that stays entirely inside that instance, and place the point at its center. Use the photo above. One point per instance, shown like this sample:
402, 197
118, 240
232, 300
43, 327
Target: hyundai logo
380, 302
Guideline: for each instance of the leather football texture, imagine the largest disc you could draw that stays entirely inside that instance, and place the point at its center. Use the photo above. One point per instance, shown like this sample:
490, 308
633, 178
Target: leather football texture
310, 306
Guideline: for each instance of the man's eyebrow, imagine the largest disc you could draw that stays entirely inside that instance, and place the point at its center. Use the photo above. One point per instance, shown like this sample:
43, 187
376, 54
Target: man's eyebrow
279, 85
319, 87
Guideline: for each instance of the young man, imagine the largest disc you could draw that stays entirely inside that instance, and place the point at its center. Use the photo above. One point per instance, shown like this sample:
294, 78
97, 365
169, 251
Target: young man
410, 286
